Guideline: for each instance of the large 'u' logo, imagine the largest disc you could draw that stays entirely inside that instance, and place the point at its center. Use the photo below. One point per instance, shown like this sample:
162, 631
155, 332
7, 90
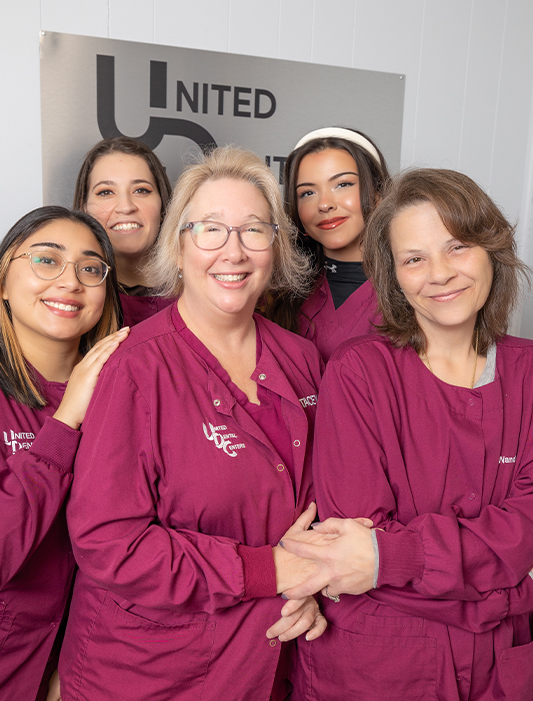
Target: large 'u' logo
158, 126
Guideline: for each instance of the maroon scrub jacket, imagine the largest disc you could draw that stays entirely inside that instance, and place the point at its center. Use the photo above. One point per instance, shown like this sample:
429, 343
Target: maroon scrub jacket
36, 561
447, 473
178, 499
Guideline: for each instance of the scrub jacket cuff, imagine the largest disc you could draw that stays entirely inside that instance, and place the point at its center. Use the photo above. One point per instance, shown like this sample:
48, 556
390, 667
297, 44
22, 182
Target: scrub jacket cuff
259, 571
401, 558
56, 444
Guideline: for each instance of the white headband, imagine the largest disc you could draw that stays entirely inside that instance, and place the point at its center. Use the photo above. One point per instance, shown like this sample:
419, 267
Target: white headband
347, 134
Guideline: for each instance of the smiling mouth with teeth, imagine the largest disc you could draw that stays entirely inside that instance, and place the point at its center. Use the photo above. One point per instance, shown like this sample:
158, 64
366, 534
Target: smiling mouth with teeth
129, 226
230, 278
63, 307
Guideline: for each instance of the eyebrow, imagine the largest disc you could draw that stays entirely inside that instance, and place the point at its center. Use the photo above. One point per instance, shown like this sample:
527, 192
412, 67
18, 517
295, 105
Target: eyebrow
59, 247
213, 216
137, 181
333, 177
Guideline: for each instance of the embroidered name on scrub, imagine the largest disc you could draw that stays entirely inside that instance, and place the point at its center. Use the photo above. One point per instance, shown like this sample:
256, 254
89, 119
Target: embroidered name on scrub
310, 400
223, 441
18, 441
505, 459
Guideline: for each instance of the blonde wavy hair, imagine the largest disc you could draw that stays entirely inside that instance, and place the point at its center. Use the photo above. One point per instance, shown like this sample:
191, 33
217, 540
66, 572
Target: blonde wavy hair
291, 268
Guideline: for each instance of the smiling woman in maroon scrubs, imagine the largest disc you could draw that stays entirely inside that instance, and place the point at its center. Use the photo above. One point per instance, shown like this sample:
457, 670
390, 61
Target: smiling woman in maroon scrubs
199, 440
59, 302
333, 180
426, 429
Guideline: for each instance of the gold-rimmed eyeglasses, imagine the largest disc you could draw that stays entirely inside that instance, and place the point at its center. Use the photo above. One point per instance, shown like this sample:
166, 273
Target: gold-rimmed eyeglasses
49, 266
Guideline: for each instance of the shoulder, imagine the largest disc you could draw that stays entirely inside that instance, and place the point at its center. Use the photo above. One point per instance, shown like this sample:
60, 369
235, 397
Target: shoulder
372, 346
143, 339
514, 354
287, 340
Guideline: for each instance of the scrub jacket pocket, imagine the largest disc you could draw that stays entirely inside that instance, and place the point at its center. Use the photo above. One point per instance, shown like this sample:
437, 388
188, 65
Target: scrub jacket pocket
177, 656
388, 664
516, 672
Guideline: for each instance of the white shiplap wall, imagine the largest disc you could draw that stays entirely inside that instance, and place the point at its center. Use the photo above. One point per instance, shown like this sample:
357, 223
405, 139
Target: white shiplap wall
468, 67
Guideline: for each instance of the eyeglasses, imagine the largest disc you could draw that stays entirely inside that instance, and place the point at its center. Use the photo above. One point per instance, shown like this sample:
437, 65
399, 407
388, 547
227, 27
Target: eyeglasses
49, 266
212, 235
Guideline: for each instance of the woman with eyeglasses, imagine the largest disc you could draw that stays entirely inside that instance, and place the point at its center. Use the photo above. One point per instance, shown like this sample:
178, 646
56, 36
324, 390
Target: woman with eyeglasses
333, 180
199, 439
124, 186
60, 305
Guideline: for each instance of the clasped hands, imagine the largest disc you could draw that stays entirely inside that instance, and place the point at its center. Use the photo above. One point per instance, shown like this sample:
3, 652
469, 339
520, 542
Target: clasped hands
337, 554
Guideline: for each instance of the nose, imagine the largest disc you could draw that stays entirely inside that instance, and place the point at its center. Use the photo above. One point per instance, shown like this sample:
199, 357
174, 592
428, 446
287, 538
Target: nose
326, 203
440, 270
68, 278
125, 204
233, 249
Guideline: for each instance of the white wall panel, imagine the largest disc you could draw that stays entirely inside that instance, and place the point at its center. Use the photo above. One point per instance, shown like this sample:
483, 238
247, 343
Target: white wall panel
254, 27
296, 30
388, 37
76, 17
333, 28
482, 87
20, 123
132, 20
203, 24
440, 100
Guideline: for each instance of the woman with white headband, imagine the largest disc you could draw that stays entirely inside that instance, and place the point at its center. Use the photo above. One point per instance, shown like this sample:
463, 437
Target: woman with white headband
333, 179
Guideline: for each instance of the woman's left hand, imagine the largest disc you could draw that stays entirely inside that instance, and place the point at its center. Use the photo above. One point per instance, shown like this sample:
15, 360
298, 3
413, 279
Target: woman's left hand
299, 616
344, 552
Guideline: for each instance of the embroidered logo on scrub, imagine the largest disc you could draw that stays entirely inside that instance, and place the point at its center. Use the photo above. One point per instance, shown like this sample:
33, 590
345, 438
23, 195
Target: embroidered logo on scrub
223, 441
18, 441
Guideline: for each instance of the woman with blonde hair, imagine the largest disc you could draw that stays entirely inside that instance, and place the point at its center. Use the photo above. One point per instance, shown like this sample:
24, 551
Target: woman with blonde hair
199, 439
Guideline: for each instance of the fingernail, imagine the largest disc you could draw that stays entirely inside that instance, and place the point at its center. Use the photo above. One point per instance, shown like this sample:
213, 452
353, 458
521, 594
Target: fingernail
284, 596
281, 544
317, 523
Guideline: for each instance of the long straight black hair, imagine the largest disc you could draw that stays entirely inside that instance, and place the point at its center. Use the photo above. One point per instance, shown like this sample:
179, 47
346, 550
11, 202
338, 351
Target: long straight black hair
16, 378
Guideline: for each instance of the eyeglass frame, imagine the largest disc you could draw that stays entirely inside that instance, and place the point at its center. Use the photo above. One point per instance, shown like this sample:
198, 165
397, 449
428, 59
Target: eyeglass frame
65, 263
190, 226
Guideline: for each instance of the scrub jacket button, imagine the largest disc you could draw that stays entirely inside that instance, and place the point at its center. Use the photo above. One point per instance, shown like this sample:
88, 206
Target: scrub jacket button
296, 443
281, 467
471, 402
262, 376
216, 402
472, 496
272, 643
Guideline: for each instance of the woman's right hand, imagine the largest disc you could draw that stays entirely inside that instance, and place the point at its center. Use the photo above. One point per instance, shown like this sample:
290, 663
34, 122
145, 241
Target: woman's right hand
83, 380
291, 569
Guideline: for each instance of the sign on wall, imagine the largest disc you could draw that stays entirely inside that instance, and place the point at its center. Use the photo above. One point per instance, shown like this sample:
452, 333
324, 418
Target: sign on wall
179, 101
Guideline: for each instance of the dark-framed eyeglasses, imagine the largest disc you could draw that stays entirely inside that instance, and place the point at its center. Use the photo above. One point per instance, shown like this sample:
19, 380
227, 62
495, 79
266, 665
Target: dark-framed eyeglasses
49, 265
212, 235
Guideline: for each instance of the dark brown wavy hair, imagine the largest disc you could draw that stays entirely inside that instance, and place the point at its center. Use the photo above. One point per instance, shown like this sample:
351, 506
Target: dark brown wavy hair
131, 147
373, 177
471, 217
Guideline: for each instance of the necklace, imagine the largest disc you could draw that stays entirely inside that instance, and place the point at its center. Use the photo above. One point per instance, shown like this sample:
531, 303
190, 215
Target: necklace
475, 362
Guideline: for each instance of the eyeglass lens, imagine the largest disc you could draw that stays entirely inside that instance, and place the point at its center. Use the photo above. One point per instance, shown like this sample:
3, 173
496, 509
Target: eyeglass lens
209, 235
49, 266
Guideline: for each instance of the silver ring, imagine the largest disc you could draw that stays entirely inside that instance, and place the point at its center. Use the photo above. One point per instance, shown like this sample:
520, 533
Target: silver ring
336, 599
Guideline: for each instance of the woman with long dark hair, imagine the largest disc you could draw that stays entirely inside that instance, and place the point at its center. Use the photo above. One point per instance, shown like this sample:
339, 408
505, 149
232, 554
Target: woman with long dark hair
59, 306
333, 180
124, 186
